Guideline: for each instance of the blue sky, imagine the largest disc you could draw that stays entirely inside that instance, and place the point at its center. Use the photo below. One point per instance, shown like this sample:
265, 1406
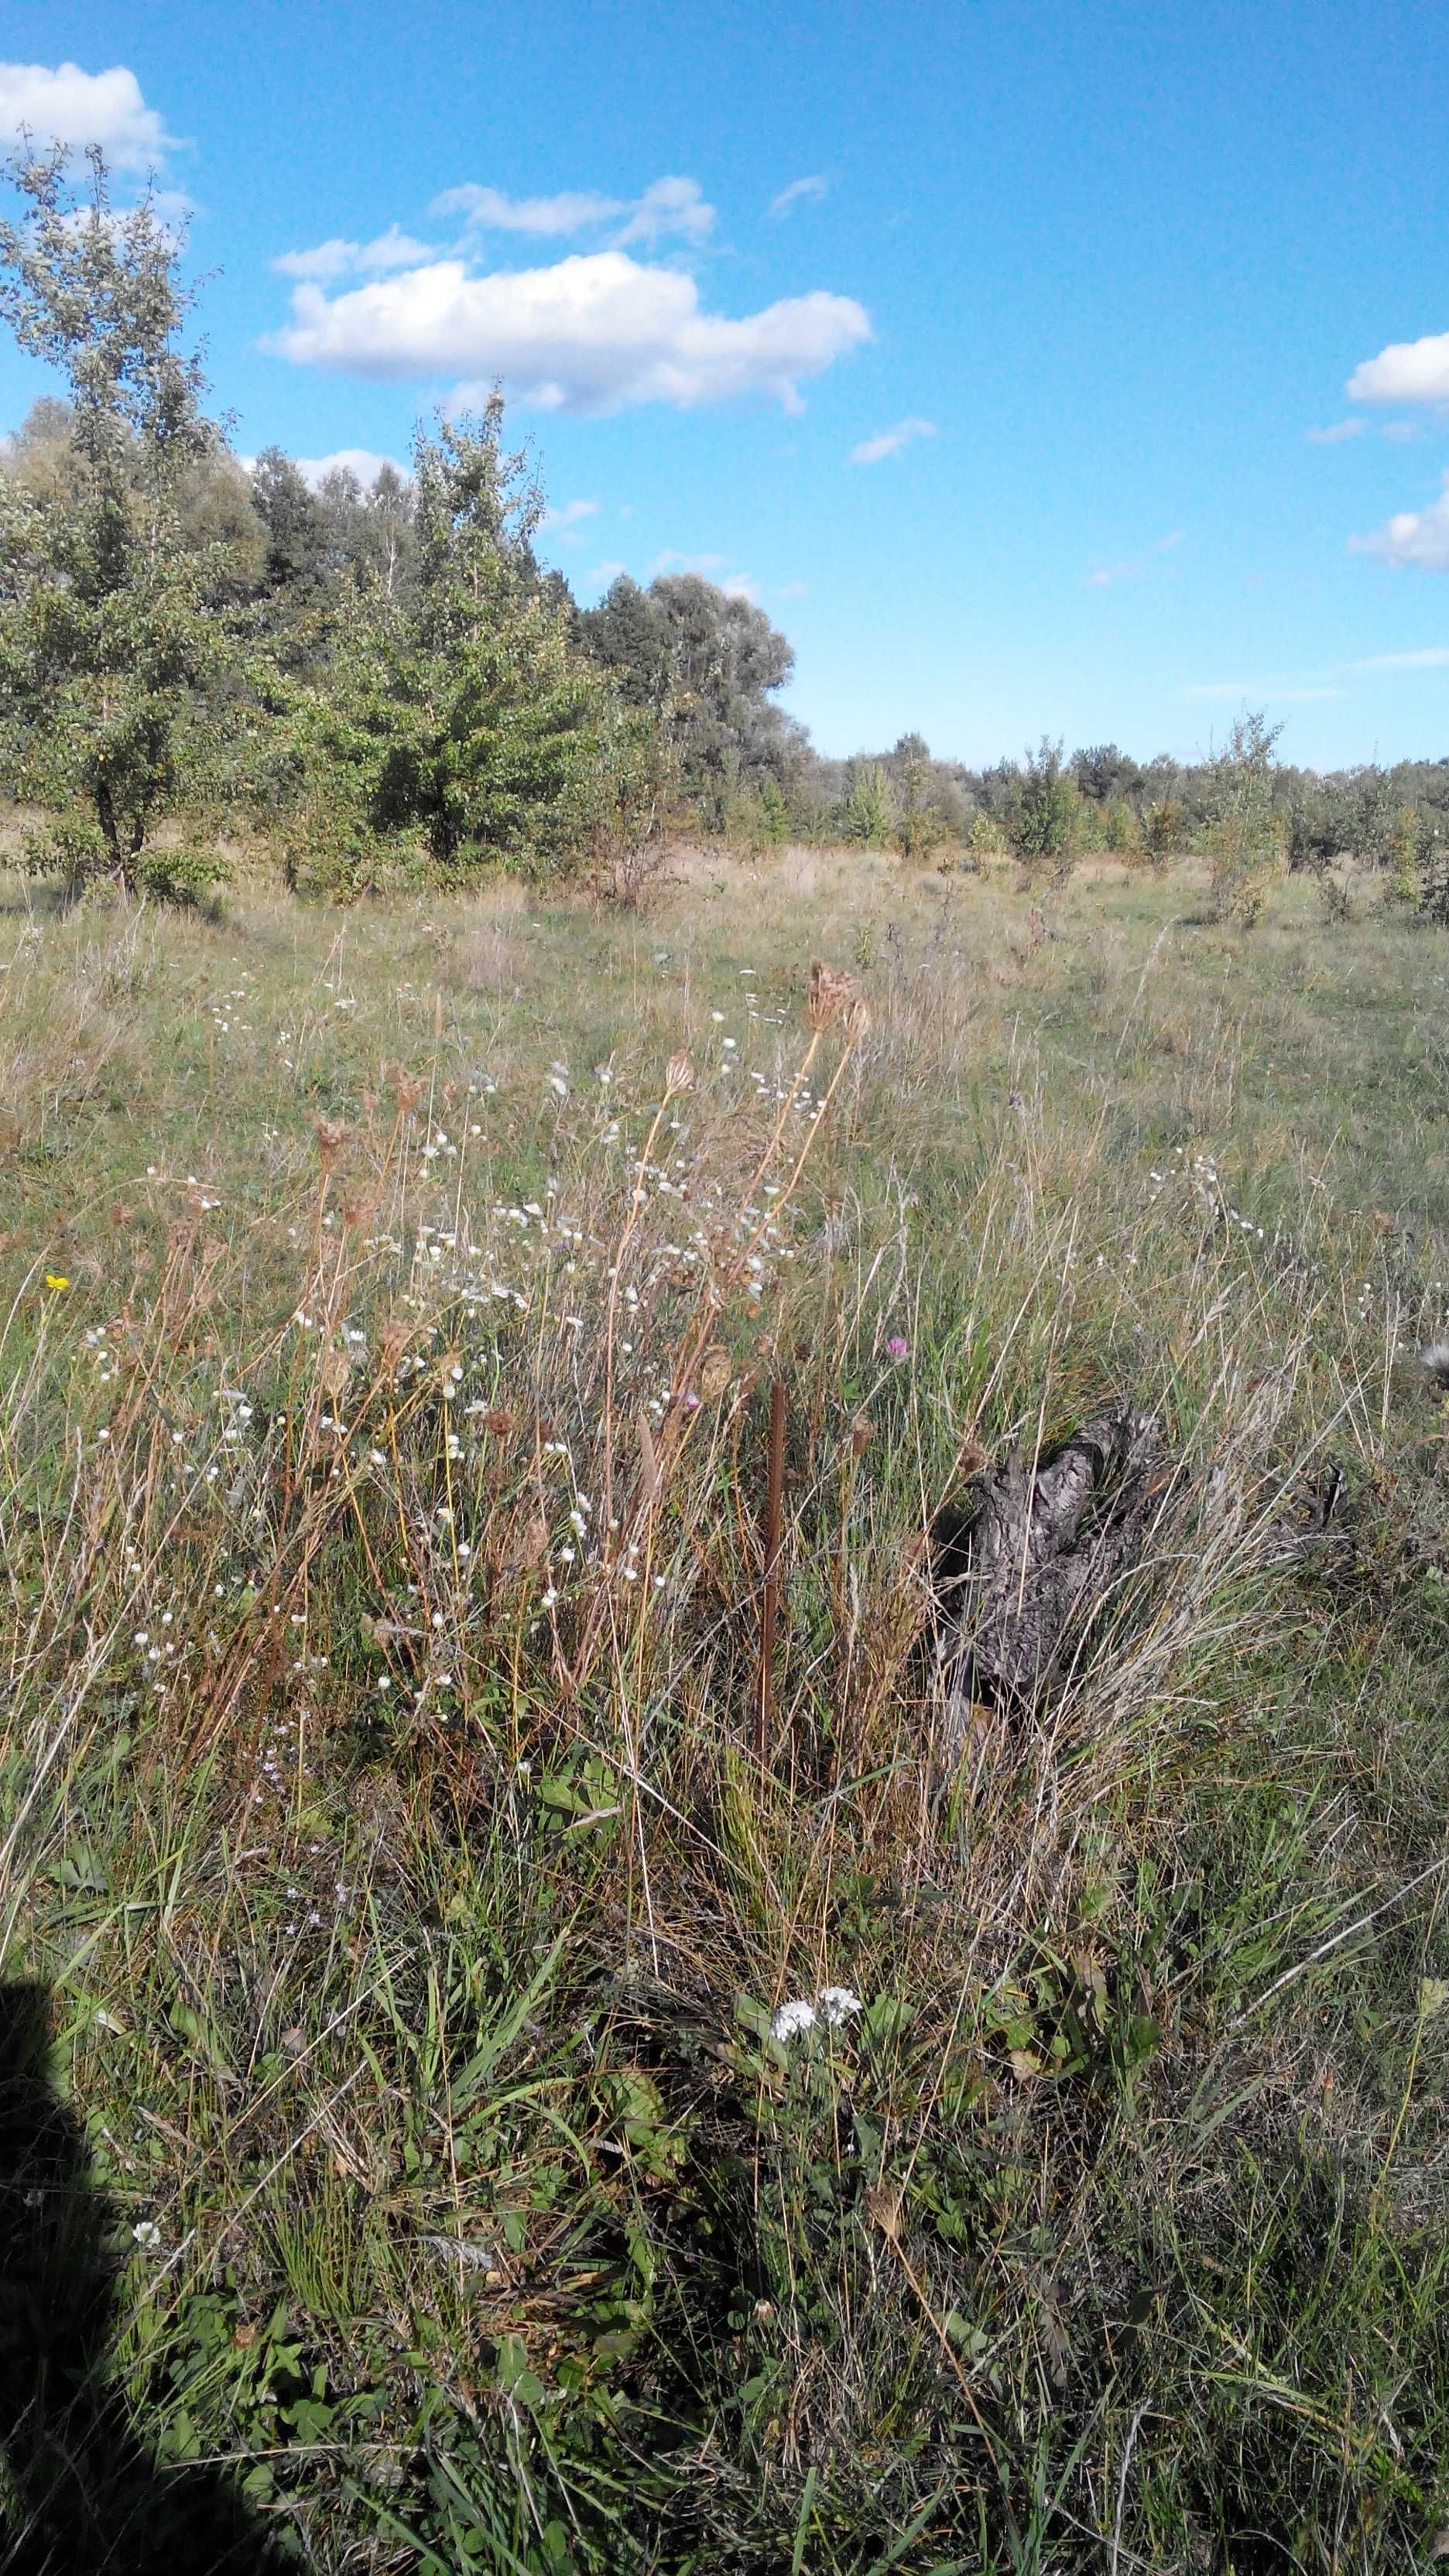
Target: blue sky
1002, 348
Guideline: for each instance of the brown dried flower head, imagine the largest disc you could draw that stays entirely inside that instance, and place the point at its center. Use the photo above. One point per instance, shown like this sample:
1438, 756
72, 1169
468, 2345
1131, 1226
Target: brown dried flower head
335, 1371
832, 991
407, 1091
396, 1336
715, 1372
330, 1141
679, 1073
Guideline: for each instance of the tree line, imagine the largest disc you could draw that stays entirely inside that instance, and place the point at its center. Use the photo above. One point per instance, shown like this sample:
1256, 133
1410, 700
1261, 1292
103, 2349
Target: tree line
391, 676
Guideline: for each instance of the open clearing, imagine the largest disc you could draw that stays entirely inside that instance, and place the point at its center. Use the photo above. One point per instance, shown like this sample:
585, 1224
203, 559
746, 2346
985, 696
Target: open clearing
389, 1835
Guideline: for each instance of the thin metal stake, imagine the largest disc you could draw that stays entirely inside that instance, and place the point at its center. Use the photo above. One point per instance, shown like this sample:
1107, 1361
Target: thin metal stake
765, 1700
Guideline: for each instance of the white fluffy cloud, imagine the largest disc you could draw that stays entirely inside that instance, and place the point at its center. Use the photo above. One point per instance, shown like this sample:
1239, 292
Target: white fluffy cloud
1406, 371
671, 208
1335, 436
63, 104
801, 192
489, 210
889, 442
1412, 537
338, 258
591, 333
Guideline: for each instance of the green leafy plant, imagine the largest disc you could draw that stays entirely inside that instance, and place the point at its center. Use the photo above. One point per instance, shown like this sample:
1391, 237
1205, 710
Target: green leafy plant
1043, 815
1163, 826
868, 812
1245, 836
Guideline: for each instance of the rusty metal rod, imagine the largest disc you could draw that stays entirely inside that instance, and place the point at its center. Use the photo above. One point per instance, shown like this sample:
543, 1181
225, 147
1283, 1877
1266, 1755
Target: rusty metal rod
770, 1608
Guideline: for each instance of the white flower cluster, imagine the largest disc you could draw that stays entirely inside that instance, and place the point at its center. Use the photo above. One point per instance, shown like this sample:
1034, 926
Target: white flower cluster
833, 2005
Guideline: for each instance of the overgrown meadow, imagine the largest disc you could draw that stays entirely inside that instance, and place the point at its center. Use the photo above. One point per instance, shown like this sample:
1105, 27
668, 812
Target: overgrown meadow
424, 1788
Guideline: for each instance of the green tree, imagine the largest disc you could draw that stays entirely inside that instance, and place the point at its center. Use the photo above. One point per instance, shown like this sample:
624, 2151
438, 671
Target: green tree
706, 664
370, 531
629, 633
461, 715
868, 810
1163, 826
1246, 832
1101, 773
1121, 832
1044, 811
300, 572
920, 825
113, 652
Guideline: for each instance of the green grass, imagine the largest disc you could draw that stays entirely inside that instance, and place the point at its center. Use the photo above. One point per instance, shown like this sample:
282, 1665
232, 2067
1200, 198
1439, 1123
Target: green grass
389, 1837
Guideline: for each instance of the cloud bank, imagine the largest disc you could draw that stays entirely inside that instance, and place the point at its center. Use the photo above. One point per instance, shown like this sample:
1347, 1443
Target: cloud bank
592, 333
65, 105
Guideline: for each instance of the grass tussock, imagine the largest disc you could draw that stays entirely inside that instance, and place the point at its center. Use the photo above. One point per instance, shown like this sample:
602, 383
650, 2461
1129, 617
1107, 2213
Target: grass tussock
391, 1316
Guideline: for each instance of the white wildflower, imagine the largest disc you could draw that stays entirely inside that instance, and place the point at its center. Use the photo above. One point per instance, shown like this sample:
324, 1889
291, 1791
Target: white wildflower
147, 2235
788, 2021
836, 2004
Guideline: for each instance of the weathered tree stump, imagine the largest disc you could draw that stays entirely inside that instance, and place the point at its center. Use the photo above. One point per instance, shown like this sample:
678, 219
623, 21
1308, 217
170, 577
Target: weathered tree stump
1045, 1546
1050, 1543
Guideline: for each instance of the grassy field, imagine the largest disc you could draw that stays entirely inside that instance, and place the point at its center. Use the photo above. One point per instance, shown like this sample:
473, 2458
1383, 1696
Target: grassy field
399, 2165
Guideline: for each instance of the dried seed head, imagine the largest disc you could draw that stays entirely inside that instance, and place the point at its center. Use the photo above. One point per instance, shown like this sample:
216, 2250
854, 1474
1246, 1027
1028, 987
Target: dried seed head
330, 1141
715, 1372
395, 1338
407, 1091
335, 1371
679, 1073
831, 993
857, 1020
